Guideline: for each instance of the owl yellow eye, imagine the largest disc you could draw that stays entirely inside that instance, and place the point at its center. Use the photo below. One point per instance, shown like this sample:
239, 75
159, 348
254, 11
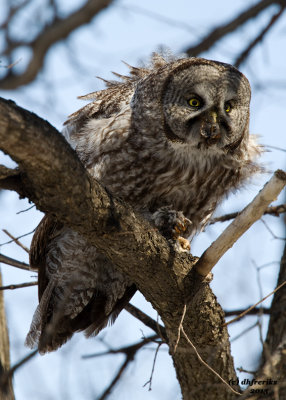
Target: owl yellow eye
227, 107
195, 102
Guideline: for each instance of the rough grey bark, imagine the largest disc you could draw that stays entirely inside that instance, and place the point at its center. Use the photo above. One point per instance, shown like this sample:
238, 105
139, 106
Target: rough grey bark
6, 388
54, 179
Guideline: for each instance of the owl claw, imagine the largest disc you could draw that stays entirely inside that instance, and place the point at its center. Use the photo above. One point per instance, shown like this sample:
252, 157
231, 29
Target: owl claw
182, 245
182, 226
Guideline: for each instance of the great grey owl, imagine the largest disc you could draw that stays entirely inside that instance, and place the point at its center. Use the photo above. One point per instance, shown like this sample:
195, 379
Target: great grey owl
172, 139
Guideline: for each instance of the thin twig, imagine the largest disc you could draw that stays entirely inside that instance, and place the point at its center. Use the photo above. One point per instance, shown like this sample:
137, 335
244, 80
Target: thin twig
260, 314
275, 147
243, 332
16, 240
18, 237
15, 263
240, 369
18, 286
148, 321
251, 312
179, 328
159, 17
27, 209
270, 230
273, 210
254, 305
131, 349
153, 368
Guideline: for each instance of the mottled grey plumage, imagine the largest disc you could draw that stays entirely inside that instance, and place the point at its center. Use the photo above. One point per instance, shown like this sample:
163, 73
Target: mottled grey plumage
172, 140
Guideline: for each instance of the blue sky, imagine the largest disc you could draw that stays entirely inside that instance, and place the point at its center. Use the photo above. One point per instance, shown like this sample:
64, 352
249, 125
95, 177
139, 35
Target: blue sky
127, 32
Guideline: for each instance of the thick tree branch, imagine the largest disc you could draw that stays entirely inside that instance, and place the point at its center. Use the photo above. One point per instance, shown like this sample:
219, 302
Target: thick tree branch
58, 30
218, 33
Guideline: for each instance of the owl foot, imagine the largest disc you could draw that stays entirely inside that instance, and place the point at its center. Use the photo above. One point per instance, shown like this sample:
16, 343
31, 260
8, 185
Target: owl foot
174, 225
181, 226
182, 245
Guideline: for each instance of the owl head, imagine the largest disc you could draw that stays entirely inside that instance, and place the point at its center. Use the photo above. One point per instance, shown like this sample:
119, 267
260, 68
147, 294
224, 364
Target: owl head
196, 103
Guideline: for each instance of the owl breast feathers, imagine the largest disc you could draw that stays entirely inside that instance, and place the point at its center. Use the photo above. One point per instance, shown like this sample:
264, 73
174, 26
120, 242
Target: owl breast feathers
172, 139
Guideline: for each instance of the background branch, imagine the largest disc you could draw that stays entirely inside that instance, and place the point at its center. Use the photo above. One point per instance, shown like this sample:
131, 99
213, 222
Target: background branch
223, 30
58, 30
272, 210
240, 59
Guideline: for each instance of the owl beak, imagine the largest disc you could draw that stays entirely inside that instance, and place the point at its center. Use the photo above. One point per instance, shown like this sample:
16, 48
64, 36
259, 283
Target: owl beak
209, 127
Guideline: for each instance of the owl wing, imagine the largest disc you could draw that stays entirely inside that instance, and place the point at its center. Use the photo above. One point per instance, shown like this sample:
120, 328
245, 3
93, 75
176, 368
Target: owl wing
76, 291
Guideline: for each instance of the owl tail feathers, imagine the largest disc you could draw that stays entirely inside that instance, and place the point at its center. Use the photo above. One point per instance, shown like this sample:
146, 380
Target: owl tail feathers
33, 336
48, 337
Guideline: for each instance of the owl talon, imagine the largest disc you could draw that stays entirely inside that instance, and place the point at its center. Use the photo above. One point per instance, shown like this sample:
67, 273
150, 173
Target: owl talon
182, 245
182, 226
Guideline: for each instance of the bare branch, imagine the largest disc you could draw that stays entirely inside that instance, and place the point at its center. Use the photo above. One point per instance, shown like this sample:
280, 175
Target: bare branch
275, 147
15, 263
127, 350
242, 57
153, 368
245, 219
57, 31
18, 286
270, 230
16, 240
246, 330
272, 210
247, 311
231, 26
18, 237
148, 321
